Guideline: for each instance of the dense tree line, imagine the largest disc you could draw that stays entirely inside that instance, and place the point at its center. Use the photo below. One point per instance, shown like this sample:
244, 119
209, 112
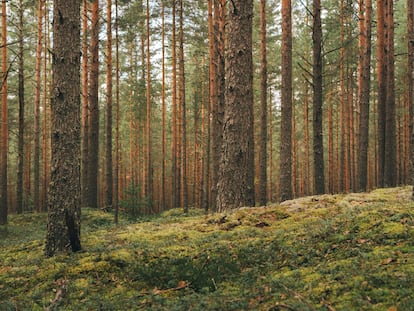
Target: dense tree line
180, 107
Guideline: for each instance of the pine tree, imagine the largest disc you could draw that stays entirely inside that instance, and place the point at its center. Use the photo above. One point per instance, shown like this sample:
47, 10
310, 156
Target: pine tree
286, 123
4, 118
317, 70
63, 227
236, 176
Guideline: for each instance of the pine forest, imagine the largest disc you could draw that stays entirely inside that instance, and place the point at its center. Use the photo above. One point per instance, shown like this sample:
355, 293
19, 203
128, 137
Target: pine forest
135, 109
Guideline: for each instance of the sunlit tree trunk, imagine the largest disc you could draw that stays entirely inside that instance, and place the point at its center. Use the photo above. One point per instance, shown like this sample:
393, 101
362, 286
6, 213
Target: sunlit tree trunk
319, 170
4, 117
63, 229
263, 100
236, 176
286, 122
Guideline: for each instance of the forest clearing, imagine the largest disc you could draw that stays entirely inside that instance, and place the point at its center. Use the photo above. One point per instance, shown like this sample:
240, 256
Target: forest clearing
328, 252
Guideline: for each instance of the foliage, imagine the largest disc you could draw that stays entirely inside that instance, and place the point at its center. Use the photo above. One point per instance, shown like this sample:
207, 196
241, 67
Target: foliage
133, 203
330, 252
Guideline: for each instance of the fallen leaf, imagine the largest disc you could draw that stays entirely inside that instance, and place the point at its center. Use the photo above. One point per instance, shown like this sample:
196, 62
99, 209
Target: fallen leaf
387, 261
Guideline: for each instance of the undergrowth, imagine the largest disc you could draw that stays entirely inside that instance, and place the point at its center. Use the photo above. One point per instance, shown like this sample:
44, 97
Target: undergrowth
330, 252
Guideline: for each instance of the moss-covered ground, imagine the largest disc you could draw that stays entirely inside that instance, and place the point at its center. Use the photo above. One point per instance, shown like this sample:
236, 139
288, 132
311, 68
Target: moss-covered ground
330, 252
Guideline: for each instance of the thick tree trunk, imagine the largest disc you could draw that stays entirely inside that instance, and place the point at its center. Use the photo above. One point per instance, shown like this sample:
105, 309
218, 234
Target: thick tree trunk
236, 177
63, 229
286, 123
319, 175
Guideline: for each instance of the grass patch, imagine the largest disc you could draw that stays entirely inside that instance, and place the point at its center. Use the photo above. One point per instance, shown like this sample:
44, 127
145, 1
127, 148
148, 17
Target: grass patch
341, 252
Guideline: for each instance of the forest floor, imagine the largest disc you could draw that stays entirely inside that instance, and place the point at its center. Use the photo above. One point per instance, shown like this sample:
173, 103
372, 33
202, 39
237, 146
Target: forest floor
329, 252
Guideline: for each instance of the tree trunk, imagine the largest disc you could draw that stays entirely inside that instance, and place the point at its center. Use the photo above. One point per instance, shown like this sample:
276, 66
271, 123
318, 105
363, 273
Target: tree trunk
364, 85
108, 149
85, 103
149, 183
390, 165
286, 122
164, 111
36, 127
93, 140
217, 89
20, 148
4, 117
263, 102
236, 176
175, 184
63, 227
319, 176
184, 189
117, 158
382, 88
46, 109
410, 74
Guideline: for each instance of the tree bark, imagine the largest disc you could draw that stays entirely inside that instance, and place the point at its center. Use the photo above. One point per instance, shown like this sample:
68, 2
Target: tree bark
164, 111
36, 126
390, 165
149, 183
364, 85
286, 122
263, 106
63, 227
4, 118
20, 148
184, 189
319, 175
236, 176
93, 140
117, 97
109, 74
85, 104
382, 88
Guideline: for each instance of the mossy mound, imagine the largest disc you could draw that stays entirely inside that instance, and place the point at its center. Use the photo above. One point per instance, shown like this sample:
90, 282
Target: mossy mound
339, 252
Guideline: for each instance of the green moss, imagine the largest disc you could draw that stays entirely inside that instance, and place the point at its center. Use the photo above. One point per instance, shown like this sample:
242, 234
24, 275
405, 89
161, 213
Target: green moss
346, 252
